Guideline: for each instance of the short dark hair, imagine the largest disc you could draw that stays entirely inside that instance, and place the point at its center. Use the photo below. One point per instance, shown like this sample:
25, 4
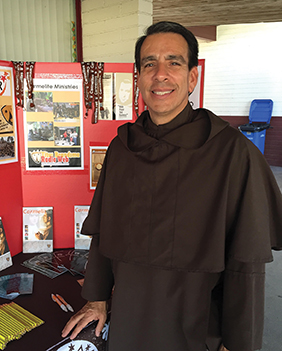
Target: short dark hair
170, 27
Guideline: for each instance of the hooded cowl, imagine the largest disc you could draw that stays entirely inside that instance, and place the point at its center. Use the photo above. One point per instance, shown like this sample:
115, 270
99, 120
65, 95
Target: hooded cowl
185, 195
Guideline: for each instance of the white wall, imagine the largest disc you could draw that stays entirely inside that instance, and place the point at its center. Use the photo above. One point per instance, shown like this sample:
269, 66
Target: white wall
245, 63
36, 30
111, 27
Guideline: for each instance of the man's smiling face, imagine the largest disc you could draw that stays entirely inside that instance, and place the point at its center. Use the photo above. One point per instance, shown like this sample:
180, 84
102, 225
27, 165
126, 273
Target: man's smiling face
164, 78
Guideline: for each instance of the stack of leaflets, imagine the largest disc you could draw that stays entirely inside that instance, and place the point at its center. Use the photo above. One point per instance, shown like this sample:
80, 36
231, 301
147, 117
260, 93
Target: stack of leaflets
13, 285
5, 255
56, 263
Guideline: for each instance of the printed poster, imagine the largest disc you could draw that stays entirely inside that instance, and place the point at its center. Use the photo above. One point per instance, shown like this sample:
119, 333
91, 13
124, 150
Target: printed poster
5, 255
123, 91
54, 127
81, 241
97, 156
8, 129
37, 229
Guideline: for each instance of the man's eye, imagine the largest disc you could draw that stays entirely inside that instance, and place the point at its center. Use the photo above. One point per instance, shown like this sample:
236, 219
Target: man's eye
148, 65
175, 63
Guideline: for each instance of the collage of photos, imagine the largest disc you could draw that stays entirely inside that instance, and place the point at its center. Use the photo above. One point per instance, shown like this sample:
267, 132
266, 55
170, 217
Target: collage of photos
54, 129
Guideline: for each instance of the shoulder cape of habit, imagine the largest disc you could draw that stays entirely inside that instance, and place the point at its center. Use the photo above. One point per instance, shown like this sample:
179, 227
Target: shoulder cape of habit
185, 195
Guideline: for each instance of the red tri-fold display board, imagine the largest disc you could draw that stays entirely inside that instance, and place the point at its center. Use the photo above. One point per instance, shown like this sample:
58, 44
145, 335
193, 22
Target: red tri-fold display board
55, 138
23, 184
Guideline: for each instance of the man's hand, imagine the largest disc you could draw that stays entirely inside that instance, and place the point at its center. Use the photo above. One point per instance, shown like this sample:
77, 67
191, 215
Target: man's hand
92, 311
222, 348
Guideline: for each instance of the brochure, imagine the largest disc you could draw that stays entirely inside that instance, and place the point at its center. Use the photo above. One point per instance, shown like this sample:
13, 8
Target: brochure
5, 255
13, 285
43, 264
37, 229
81, 241
72, 260
56, 263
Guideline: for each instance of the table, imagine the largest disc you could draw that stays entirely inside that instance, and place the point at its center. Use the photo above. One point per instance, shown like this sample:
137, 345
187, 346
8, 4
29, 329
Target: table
41, 305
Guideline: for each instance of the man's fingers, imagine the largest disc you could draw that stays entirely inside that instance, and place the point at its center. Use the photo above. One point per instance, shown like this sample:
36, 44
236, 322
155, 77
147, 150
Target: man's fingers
100, 326
91, 311
70, 325
76, 331
79, 323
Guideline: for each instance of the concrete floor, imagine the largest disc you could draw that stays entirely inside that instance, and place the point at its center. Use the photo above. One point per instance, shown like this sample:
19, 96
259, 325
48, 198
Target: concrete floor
272, 340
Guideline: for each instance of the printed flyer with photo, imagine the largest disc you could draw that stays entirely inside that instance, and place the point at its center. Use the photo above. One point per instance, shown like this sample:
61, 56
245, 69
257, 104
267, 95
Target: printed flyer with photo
81, 242
123, 91
97, 156
37, 229
8, 130
54, 126
5, 255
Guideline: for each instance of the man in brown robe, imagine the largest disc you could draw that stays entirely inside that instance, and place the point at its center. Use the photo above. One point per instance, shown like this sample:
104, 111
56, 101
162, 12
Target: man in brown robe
183, 219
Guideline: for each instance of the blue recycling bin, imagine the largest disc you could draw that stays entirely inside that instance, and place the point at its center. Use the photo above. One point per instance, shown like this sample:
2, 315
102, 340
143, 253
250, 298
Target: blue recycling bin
259, 121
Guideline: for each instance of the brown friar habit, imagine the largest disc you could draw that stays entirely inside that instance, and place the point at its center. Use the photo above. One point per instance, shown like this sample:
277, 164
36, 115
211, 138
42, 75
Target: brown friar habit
183, 221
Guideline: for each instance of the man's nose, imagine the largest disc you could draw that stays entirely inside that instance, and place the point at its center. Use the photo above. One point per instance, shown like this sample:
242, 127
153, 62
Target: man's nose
161, 73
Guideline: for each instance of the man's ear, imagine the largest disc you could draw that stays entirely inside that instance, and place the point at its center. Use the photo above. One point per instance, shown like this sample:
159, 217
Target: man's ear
193, 78
138, 75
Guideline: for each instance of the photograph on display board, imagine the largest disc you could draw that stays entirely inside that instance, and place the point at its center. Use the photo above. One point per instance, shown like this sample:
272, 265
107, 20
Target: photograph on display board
67, 136
97, 156
37, 229
54, 126
66, 111
8, 130
81, 241
5, 255
40, 131
123, 92
43, 102
106, 114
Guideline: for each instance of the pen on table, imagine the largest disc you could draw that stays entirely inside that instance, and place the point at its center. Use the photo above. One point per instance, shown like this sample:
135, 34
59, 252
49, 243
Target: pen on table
68, 306
55, 299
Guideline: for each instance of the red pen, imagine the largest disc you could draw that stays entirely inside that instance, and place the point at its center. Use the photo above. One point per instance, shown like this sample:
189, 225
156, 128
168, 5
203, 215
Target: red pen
68, 306
55, 299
